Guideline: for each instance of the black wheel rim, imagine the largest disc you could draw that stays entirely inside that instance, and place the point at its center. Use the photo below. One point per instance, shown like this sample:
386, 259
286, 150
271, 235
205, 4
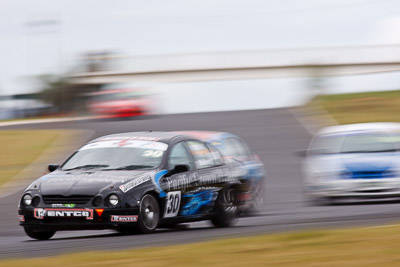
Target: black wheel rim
228, 201
258, 198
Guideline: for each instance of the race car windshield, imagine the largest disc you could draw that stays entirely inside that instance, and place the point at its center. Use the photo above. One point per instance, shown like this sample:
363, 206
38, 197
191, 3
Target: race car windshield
368, 143
361, 142
117, 155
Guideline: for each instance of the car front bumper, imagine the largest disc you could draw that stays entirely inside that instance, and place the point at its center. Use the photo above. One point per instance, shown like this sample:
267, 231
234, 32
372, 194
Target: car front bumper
110, 218
377, 188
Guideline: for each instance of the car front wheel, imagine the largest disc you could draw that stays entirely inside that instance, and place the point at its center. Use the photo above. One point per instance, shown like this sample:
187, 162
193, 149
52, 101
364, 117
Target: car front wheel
149, 214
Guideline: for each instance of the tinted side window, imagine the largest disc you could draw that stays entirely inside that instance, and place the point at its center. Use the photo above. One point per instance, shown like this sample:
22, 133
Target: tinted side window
201, 154
180, 156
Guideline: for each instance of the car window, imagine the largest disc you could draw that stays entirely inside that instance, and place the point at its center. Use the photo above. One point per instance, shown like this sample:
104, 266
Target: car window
325, 144
233, 147
118, 155
353, 142
202, 156
368, 142
180, 156
216, 155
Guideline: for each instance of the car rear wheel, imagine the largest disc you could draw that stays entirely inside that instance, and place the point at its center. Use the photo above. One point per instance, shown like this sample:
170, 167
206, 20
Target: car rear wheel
258, 201
225, 208
38, 234
149, 214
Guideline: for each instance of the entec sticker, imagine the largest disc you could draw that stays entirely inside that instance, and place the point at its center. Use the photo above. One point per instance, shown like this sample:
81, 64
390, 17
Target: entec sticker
75, 213
124, 218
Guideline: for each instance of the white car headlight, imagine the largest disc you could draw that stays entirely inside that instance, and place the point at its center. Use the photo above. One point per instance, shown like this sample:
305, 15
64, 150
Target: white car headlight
27, 199
113, 199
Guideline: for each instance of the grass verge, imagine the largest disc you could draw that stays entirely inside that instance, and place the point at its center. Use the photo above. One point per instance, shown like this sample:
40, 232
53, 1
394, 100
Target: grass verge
373, 246
20, 148
361, 107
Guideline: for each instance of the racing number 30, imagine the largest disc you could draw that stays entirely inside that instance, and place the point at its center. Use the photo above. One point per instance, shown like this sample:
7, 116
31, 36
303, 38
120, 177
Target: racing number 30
173, 203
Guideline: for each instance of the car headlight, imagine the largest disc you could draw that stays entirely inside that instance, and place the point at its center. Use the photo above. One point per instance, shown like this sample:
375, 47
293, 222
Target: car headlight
113, 199
27, 199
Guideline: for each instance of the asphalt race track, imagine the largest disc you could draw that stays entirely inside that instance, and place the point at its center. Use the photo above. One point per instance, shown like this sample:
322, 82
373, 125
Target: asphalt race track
273, 134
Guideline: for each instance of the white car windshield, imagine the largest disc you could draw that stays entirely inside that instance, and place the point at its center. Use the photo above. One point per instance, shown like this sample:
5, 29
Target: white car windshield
359, 142
117, 155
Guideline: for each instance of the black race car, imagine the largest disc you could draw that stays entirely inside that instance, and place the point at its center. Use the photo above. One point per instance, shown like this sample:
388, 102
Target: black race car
133, 182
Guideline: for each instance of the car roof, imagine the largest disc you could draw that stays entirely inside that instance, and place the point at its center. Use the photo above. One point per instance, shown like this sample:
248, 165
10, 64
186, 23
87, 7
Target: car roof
372, 126
206, 135
164, 137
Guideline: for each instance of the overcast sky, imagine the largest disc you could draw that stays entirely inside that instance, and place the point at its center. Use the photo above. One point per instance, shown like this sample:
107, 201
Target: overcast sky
29, 46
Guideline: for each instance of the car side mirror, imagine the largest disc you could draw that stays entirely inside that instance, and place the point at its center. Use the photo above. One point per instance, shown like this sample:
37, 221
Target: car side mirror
178, 169
300, 153
53, 167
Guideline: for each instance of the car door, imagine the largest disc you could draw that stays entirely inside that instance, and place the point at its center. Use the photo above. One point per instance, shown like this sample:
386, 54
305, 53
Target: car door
210, 176
179, 180
192, 191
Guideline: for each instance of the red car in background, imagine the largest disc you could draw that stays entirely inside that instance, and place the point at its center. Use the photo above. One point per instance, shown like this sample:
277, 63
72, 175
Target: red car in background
119, 103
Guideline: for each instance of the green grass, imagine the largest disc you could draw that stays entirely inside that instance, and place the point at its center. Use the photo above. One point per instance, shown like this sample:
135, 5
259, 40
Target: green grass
361, 107
377, 246
20, 148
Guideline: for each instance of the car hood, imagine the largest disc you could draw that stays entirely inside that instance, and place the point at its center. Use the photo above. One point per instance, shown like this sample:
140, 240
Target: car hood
68, 183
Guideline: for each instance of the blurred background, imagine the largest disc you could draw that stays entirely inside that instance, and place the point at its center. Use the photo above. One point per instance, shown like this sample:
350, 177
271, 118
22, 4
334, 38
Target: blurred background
270, 71
78, 58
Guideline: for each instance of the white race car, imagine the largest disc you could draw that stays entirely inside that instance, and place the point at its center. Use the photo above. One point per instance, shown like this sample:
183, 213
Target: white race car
355, 161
